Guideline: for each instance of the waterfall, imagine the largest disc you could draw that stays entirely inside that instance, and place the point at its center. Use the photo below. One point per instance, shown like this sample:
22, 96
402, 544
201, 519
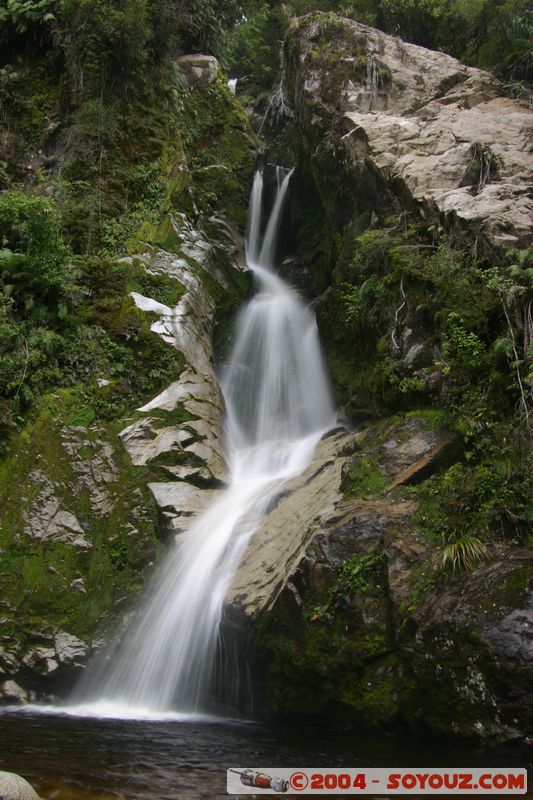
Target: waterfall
278, 406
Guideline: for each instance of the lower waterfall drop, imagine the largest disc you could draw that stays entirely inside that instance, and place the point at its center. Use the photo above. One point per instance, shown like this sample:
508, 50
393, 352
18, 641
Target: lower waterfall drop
278, 406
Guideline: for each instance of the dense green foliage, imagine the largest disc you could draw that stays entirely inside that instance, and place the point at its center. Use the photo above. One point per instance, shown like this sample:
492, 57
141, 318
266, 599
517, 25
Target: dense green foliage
100, 141
105, 152
119, 34
66, 321
51, 583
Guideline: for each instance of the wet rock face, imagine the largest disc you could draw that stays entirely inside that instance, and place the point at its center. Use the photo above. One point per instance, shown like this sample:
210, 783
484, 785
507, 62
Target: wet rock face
279, 543
57, 649
316, 510
40, 658
11, 692
410, 127
46, 518
364, 625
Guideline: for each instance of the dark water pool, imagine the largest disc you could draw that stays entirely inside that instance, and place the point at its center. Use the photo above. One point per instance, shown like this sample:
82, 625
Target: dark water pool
73, 758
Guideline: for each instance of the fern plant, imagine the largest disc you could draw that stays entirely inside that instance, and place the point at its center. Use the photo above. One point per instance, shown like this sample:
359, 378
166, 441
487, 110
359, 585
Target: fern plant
462, 552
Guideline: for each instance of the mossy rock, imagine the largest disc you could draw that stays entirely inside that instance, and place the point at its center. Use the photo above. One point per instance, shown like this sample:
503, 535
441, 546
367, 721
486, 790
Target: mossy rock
78, 524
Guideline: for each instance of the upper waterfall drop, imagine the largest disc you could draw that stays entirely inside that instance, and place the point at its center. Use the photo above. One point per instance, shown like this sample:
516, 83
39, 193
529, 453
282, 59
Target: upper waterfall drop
275, 384
278, 406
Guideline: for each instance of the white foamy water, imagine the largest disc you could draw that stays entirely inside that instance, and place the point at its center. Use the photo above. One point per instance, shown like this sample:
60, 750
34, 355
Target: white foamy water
278, 406
107, 709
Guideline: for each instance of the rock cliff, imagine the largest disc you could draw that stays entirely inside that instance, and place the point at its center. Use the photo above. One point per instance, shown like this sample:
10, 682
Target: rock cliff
390, 585
361, 624
411, 129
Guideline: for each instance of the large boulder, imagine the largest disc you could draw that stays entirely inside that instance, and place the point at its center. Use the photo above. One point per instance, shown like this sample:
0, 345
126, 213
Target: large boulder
471, 649
198, 70
13, 787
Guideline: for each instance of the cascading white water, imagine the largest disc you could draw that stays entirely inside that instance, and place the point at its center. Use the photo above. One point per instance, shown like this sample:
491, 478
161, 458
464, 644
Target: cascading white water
278, 406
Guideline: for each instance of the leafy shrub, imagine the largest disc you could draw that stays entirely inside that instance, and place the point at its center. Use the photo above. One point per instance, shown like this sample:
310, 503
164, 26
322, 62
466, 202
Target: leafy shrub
470, 504
461, 345
253, 48
105, 43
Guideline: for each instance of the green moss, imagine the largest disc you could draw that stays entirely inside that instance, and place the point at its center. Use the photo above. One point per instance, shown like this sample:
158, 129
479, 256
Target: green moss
373, 700
365, 478
165, 236
330, 671
168, 419
454, 700
432, 418
423, 580
354, 579
159, 286
70, 406
30, 98
511, 593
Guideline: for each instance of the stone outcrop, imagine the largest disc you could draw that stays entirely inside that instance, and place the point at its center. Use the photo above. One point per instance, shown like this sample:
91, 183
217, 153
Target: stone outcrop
409, 127
350, 613
471, 649
317, 499
198, 70
297, 513
188, 327
13, 693
178, 433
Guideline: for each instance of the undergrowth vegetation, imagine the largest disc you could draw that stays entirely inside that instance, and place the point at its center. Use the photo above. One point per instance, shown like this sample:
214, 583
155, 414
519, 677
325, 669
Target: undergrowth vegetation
105, 152
423, 324
351, 578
